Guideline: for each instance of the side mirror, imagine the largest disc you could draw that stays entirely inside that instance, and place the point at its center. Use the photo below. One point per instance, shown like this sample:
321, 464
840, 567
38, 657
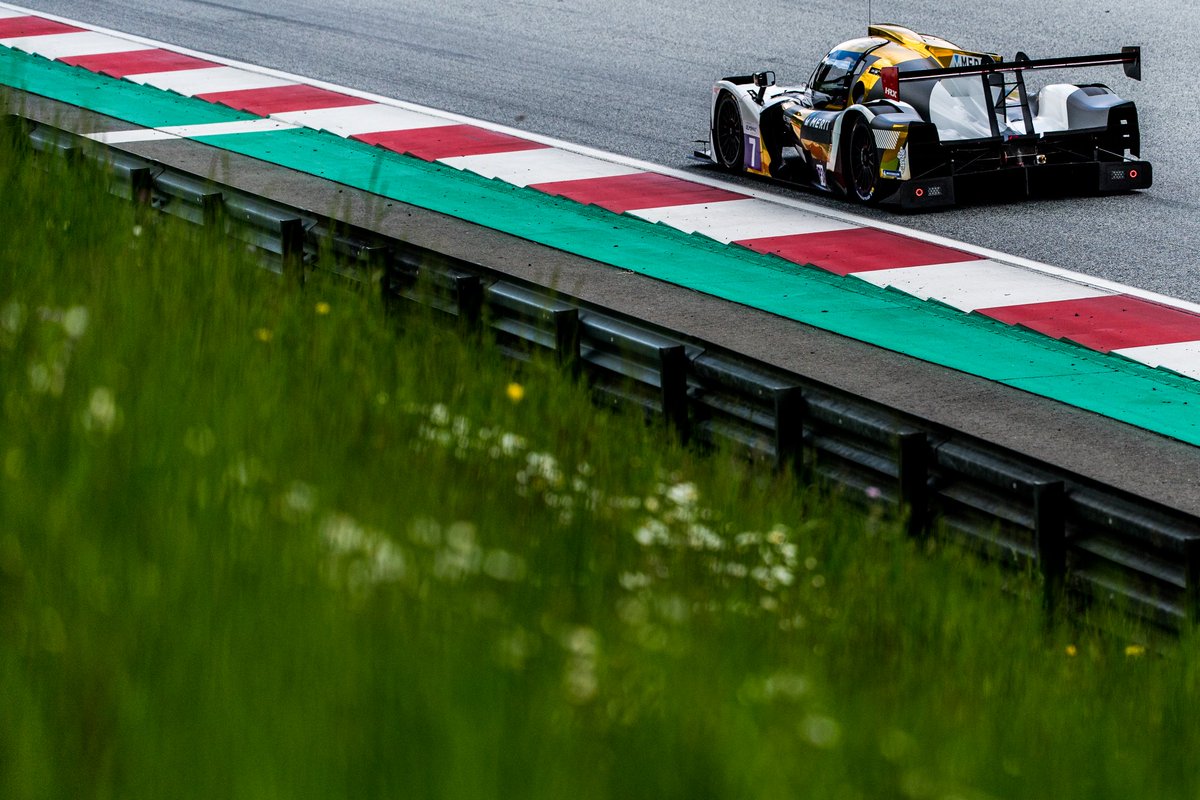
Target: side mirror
762, 80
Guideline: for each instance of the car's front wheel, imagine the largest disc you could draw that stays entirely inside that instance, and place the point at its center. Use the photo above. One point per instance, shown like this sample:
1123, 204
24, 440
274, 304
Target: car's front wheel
729, 142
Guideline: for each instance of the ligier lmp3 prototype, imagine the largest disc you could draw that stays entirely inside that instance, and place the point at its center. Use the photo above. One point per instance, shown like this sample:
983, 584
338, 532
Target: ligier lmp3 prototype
914, 120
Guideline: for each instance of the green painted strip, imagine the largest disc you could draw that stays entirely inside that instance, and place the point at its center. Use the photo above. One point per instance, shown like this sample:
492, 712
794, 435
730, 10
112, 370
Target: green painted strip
1109, 385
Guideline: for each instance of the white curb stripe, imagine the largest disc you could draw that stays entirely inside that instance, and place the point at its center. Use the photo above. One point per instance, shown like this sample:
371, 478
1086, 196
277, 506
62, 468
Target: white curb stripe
191, 131
371, 118
66, 45
207, 80
740, 220
1181, 357
125, 137
227, 128
12, 13
526, 167
971, 285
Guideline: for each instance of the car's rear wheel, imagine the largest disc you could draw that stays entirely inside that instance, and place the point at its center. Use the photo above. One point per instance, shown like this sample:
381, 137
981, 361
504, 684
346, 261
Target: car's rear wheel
728, 137
861, 171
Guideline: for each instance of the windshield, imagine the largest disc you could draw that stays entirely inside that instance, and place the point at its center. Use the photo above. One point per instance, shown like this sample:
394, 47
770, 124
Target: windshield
833, 74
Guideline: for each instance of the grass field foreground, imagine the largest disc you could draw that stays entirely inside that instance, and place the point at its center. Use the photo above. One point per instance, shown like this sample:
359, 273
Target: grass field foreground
256, 543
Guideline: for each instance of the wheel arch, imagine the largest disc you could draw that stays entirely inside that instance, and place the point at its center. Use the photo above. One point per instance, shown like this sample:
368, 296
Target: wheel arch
841, 131
747, 108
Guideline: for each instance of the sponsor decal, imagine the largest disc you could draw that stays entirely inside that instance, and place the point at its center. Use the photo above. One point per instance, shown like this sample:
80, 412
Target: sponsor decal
819, 122
960, 60
891, 83
891, 173
902, 159
821, 175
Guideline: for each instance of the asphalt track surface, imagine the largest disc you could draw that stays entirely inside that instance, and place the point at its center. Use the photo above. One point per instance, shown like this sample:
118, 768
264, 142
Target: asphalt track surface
634, 78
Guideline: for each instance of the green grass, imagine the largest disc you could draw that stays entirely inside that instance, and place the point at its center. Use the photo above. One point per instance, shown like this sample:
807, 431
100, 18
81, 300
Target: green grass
255, 543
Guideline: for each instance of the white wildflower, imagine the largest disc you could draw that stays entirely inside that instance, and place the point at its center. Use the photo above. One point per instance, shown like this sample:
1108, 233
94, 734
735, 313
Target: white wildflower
821, 731
503, 566
544, 466
786, 685
632, 581
75, 321
387, 562
12, 315
701, 537
511, 444
683, 494
439, 414
298, 502
652, 532
343, 534
747, 539
461, 556
102, 414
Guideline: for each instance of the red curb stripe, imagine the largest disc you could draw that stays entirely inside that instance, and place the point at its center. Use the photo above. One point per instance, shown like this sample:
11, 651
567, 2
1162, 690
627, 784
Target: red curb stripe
1105, 323
14, 27
622, 193
137, 62
448, 141
277, 99
857, 250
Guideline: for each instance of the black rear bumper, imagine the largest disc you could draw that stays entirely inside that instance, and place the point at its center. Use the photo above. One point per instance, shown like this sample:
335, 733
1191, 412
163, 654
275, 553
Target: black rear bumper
1017, 182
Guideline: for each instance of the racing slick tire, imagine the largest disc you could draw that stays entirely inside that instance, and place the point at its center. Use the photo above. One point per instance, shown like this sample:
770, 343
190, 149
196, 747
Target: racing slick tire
727, 134
861, 167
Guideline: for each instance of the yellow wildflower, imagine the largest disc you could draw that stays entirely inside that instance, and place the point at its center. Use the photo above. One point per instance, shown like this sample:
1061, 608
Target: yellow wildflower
264, 334
515, 392
1072, 651
1135, 650
322, 308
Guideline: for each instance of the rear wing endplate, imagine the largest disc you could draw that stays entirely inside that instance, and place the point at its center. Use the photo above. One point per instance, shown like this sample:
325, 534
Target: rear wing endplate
1130, 58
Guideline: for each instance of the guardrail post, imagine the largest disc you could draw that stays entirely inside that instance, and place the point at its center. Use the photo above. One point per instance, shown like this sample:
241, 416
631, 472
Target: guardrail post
210, 206
468, 293
789, 427
1191, 565
141, 185
566, 339
14, 125
1050, 540
673, 365
291, 241
914, 480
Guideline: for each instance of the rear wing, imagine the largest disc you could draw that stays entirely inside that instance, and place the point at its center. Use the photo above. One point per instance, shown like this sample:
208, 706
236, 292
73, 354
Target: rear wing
1130, 58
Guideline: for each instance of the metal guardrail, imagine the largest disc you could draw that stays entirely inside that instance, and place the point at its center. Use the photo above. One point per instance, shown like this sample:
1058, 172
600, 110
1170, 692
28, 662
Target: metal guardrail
1089, 542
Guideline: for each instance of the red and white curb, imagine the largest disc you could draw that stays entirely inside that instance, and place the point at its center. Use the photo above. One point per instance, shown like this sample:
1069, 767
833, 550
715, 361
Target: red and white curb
1149, 328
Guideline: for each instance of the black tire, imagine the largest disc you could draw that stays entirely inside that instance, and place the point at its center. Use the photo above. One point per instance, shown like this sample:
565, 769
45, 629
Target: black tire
729, 141
861, 163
